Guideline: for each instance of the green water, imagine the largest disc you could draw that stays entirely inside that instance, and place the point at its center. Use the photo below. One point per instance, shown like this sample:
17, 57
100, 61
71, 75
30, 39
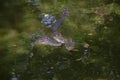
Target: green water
95, 22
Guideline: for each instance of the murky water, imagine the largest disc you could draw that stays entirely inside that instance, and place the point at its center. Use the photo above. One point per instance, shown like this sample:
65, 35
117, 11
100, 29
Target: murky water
86, 33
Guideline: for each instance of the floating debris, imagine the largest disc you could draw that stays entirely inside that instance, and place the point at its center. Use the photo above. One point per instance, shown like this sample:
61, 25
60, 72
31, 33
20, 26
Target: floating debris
69, 44
51, 22
85, 56
86, 48
58, 37
86, 45
47, 41
14, 45
85, 51
48, 20
105, 27
56, 40
58, 23
90, 34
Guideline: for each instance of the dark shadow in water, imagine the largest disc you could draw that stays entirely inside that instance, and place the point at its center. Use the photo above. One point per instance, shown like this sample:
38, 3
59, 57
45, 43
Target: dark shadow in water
11, 14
